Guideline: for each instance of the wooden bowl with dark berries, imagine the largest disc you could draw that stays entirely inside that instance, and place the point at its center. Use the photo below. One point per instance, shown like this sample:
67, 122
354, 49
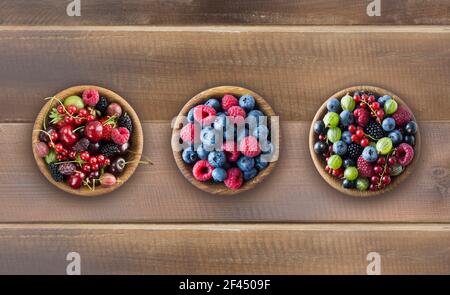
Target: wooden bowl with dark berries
87, 140
364, 141
225, 140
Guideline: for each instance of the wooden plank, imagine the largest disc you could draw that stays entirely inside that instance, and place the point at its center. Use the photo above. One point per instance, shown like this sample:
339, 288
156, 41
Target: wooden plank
293, 193
225, 249
158, 68
194, 12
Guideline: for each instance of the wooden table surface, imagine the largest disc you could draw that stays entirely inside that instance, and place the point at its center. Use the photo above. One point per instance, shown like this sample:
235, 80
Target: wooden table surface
159, 53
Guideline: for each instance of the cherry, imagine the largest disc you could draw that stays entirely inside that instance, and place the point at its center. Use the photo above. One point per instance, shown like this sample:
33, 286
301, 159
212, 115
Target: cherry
365, 142
75, 181
93, 131
67, 137
386, 179
352, 129
123, 149
118, 166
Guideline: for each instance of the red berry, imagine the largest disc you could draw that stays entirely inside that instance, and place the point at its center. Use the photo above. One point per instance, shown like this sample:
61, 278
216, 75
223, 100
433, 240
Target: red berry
93, 160
360, 133
375, 106
373, 187
94, 131
91, 97
202, 170
364, 97
67, 137
75, 181
73, 155
322, 137
386, 179
234, 179
371, 99
100, 159
355, 138
338, 172
83, 113
357, 113
107, 162
380, 114
387, 170
95, 166
205, 115
352, 129
249, 147
59, 148
71, 109
327, 168
190, 133
60, 109
120, 135
236, 115
381, 161
378, 169
78, 121
90, 118
85, 156
375, 180
365, 142
68, 119
86, 168
363, 106
229, 101
392, 161
357, 98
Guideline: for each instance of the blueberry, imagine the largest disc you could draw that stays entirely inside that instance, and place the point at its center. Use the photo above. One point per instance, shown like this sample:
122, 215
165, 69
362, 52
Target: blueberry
256, 114
250, 174
217, 159
340, 148
383, 99
219, 122
347, 118
319, 127
347, 137
410, 139
219, 174
370, 154
411, 128
267, 147
349, 163
348, 184
202, 152
261, 132
333, 105
208, 136
247, 102
189, 155
214, 103
396, 137
260, 163
245, 163
388, 124
320, 147
190, 115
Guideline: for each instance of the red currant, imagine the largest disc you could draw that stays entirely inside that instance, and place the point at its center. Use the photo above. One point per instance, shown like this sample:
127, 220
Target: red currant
85, 156
380, 114
378, 169
386, 180
78, 121
357, 98
392, 161
371, 99
355, 138
381, 161
54, 136
375, 180
73, 155
338, 172
86, 168
100, 159
327, 168
71, 109
83, 113
322, 137
90, 118
373, 187
375, 106
365, 142
387, 170
95, 167
59, 148
93, 160
359, 133
352, 129
364, 97
60, 109
68, 119
107, 162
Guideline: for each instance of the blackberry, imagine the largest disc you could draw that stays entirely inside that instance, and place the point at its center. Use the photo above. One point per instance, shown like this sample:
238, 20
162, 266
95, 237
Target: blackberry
354, 150
102, 105
109, 150
81, 145
375, 131
125, 121
57, 176
67, 168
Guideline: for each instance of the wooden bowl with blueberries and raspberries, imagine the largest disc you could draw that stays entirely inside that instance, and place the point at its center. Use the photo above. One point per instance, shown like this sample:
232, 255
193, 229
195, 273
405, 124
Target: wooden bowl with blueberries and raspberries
87, 140
225, 140
364, 141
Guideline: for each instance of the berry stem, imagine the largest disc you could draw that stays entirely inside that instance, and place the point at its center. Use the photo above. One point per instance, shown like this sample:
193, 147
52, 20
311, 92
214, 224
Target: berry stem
374, 112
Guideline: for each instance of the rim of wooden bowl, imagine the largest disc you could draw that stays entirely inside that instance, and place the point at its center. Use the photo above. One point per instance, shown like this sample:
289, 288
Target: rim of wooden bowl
137, 141
320, 163
186, 169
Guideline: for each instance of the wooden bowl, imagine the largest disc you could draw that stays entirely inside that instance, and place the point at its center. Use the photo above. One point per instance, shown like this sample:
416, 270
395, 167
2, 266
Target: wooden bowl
186, 169
136, 141
320, 163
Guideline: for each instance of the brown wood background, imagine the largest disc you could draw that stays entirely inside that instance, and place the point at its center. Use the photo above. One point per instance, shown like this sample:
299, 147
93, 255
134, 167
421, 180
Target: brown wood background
158, 54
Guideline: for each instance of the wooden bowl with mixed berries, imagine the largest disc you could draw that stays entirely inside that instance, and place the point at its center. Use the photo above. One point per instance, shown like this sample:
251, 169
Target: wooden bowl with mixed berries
87, 140
364, 141
221, 154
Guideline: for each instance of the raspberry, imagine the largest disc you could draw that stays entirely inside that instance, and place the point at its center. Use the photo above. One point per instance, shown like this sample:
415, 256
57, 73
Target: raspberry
229, 101
402, 116
250, 147
204, 114
404, 154
231, 151
234, 178
91, 97
365, 169
120, 135
236, 115
202, 170
189, 133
